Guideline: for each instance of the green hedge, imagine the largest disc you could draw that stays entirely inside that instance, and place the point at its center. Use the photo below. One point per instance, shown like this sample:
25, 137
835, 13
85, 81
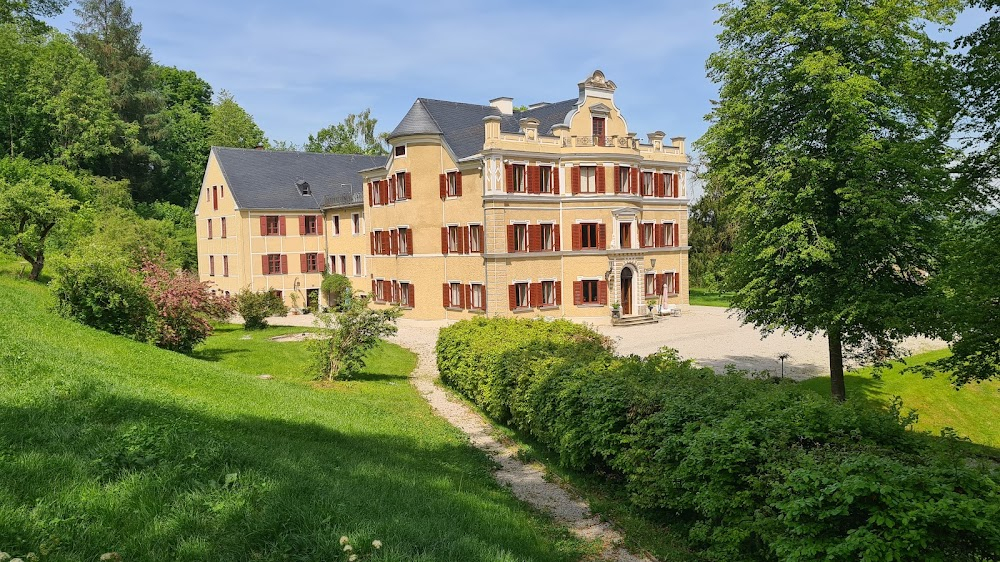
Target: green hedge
754, 469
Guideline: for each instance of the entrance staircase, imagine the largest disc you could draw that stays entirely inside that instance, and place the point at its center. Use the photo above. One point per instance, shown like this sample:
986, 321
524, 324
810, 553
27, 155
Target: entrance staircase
634, 320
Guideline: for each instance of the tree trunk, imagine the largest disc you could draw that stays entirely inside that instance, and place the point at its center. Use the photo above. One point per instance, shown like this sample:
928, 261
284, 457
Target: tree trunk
36, 269
837, 386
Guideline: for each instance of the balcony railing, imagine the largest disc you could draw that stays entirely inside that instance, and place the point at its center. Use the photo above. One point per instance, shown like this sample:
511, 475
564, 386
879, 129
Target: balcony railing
346, 200
606, 141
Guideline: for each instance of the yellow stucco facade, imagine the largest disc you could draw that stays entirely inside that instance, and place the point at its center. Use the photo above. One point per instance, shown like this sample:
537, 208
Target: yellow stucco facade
562, 222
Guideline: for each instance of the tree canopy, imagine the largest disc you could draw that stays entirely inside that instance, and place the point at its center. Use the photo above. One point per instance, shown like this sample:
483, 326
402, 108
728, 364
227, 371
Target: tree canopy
29, 15
830, 139
354, 135
230, 125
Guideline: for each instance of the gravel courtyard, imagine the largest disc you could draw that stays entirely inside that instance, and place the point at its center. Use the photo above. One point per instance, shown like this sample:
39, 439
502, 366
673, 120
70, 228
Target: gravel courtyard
706, 334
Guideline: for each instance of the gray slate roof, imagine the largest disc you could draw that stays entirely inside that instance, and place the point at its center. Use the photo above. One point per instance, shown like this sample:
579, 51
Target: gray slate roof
462, 126
263, 179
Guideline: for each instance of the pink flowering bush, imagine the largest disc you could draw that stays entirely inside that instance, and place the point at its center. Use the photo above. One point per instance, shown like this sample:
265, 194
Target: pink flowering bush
183, 306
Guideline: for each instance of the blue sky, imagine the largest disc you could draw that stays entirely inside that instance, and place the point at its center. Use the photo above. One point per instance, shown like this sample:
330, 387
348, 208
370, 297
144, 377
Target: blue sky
300, 65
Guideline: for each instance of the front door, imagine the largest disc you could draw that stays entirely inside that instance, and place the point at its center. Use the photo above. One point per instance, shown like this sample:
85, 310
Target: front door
626, 291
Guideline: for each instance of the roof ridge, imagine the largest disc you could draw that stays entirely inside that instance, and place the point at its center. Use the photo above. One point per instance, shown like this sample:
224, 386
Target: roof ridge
486, 106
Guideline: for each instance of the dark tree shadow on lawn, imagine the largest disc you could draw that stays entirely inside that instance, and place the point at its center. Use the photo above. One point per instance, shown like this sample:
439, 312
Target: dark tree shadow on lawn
102, 473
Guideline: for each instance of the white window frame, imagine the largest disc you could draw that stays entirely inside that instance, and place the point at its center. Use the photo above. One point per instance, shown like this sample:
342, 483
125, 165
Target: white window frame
551, 285
356, 226
477, 296
668, 231
404, 294
453, 236
522, 239
588, 183
550, 246
526, 301
395, 154
451, 183
651, 243
545, 178
401, 185
520, 173
453, 301
624, 179
358, 266
401, 247
651, 185
473, 237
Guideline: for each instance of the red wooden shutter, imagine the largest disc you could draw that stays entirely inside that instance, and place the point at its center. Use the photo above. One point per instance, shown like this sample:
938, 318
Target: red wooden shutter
371, 194
602, 177
510, 238
535, 238
392, 189
660, 189
468, 233
446, 295
372, 236
464, 301
263, 226
677, 185
263, 266
373, 288
302, 225
677, 283
658, 235
558, 290
635, 181
408, 188
602, 292
385, 242
658, 280
409, 288
319, 224
535, 295
534, 179
458, 183
602, 237
443, 185
577, 236
281, 225
321, 262
303, 263
574, 180
677, 234
394, 241
577, 292
509, 178
284, 264
512, 295
384, 190
461, 240
444, 240
387, 290
618, 179
409, 245
555, 238
555, 180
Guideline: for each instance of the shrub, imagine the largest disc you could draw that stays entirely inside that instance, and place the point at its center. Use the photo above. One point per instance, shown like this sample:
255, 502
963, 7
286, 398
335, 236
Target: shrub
351, 334
255, 306
337, 289
754, 469
101, 290
184, 307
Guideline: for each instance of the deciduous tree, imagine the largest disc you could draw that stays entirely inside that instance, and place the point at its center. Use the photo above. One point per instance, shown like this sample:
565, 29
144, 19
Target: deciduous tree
830, 135
351, 333
230, 125
29, 15
354, 135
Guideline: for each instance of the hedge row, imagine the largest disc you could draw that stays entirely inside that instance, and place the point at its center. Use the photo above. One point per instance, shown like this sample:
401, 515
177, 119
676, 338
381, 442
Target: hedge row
755, 470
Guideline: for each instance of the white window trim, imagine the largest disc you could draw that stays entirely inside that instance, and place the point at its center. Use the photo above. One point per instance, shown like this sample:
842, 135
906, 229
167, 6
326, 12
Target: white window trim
405, 151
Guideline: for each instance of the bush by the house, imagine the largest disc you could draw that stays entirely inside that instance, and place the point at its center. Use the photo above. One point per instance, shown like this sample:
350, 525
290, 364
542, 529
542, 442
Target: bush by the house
753, 469
184, 307
349, 335
256, 306
337, 289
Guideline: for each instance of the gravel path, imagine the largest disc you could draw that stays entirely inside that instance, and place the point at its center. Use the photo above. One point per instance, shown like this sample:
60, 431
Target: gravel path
527, 482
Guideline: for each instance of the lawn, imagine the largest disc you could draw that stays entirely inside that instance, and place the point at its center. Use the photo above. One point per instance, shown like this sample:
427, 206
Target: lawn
706, 297
971, 411
112, 445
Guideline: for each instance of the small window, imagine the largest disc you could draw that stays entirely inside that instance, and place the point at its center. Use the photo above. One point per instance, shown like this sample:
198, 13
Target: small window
590, 292
588, 179
520, 238
452, 184
355, 223
310, 225
475, 238
223, 219
273, 264
336, 225
548, 237
478, 300
400, 151
624, 175
453, 247
304, 188
380, 248
211, 266
343, 265
225, 266
545, 181
379, 293
588, 231
625, 234
519, 178
648, 235
599, 131
404, 295
521, 295
455, 295
312, 262
377, 193
669, 284
210, 229
668, 234
648, 184
404, 249
650, 284
357, 266
400, 185
273, 226
548, 293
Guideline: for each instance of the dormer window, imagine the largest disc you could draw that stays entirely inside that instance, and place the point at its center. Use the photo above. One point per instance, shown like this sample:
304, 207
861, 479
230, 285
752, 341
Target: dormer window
599, 131
400, 151
303, 187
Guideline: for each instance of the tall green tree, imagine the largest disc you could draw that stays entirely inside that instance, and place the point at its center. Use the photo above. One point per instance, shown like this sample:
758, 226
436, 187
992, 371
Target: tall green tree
230, 125
55, 106
29, 15
830, 137
711, 232
354, 135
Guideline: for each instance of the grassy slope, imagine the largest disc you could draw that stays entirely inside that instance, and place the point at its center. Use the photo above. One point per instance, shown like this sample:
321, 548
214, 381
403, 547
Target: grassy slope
971, 411
707, 297
108, 444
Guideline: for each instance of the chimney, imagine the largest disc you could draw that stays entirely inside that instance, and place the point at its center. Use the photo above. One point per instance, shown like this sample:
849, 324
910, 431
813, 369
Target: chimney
656, 139
505, 105
260, 146
492, 126
530, 127
678, 143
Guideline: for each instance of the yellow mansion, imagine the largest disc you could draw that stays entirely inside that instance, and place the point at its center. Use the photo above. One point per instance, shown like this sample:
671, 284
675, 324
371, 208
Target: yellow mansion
556, 209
